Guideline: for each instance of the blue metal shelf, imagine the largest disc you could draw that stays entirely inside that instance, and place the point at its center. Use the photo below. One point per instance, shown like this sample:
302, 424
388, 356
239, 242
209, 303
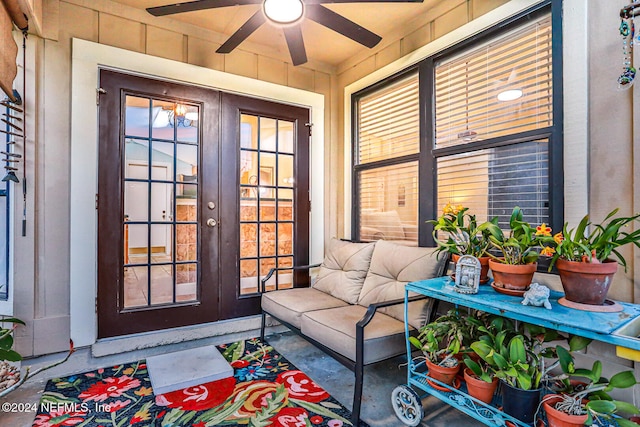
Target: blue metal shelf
596, 325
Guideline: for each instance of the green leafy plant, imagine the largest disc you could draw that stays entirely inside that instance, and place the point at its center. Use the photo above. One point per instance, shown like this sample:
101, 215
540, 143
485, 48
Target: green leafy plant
593, 399
463, 235
523, 244
447, 336
6, 340
519, 357
603, 240
7, 353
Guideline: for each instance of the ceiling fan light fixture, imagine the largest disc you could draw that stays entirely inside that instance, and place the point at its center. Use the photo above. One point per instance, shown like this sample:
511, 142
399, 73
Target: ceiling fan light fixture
283, 11
510, 95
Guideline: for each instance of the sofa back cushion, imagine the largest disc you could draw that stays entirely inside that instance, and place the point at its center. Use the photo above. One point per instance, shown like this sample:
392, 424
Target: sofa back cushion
392, 267
344, 269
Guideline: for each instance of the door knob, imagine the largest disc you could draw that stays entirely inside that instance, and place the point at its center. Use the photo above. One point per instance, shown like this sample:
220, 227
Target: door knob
212, 222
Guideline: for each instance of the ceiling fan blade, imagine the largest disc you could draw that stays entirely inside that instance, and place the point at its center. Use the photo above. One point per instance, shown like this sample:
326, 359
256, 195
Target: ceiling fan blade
342, 25
190, 6
243, 32
360, 1
293, 35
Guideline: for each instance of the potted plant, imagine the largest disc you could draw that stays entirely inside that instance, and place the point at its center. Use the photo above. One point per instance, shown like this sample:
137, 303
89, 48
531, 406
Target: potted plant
591, 402
517, 358
583, 260
461, 236
519, 250
443, 339
481, 382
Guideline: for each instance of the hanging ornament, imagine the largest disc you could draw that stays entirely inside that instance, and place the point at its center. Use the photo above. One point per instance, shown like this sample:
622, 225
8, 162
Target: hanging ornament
627, 31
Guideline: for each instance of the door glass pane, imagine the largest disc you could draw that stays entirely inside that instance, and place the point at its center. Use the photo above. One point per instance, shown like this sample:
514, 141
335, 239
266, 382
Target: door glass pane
161, 284
161, 243
187, 163
285, 137
163, 116
267, 239
188, 118
135, 243
267, 134
248, 240
136, 120
135, 290
136, 152
186, 279
285, 170
267, 181
161, 204
162, 158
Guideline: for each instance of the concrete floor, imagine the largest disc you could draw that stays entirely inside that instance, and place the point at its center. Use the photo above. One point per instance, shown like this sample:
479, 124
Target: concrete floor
380, 380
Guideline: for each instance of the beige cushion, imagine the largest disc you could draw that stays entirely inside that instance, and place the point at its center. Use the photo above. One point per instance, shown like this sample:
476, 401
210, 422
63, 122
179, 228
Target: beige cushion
336, 329
344, 268
289, 304
392, 267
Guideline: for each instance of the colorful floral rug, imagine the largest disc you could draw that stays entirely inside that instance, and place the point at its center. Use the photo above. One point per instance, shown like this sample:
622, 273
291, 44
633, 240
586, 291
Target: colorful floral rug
266, 390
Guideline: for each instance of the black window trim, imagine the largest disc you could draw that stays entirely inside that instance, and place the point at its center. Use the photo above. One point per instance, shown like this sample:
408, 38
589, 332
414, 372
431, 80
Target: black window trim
427, 172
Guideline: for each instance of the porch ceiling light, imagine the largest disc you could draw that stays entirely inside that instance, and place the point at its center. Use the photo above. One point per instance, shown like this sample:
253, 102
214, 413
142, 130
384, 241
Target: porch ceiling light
511, 90
283, 11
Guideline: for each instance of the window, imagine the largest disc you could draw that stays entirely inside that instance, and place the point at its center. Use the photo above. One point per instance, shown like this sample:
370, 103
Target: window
386, 162
490, 137
493, 119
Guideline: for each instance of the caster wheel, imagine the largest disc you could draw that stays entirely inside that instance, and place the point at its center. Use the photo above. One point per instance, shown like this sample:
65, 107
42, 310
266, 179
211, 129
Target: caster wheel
407, 405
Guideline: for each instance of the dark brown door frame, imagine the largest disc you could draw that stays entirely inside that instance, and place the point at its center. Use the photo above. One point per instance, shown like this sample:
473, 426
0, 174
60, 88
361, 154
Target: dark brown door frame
232, 107
112, 320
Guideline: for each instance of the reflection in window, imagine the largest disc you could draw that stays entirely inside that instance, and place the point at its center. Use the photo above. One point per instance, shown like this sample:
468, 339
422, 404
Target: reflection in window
160, 202
266, 201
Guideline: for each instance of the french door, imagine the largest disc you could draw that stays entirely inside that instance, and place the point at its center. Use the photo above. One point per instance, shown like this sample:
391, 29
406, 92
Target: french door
176, 190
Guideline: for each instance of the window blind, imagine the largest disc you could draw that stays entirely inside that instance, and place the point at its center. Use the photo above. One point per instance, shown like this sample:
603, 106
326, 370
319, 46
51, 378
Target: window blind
389, 203
467, 107
388, 122
491, 182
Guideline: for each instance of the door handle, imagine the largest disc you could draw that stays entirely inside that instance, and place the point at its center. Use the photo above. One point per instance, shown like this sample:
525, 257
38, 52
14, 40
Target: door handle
212, 222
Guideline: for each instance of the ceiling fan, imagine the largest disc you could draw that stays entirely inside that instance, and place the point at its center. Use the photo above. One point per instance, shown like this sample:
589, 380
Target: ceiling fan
288, 14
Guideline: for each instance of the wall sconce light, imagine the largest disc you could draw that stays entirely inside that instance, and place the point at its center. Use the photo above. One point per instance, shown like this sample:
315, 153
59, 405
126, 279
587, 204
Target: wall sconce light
283, 11
510, 91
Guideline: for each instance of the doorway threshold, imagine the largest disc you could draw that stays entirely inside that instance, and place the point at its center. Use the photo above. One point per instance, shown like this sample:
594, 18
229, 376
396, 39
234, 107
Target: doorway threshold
221, 329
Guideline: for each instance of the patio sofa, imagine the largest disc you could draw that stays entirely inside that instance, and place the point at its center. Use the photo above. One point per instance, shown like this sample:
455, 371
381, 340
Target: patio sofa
354, 309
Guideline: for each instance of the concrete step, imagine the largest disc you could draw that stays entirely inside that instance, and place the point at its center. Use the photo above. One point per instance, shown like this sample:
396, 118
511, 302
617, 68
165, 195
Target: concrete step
186, 368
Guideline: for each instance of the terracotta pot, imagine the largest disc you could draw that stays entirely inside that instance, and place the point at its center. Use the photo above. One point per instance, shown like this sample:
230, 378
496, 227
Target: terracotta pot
584, 282
557, 418
484, 267
441, 373
508, 276
480, 389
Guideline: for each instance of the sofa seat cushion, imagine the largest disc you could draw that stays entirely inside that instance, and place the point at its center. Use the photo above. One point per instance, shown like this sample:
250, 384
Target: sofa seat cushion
289, 304
336, 329
344, 268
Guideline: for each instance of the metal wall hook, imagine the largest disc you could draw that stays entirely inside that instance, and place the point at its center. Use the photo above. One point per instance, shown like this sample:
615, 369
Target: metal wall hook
10, 176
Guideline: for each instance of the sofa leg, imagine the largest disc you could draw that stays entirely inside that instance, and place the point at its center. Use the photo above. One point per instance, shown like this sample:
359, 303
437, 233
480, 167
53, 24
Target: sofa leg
262, 324
357, 394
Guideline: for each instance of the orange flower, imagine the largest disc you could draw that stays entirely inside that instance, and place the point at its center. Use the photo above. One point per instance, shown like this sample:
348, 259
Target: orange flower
143, 391
459, 208
448, 209
558, 237
543, 230
547, 251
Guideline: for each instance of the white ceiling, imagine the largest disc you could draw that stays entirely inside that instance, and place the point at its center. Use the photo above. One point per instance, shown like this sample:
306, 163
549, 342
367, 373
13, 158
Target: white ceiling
321, 43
